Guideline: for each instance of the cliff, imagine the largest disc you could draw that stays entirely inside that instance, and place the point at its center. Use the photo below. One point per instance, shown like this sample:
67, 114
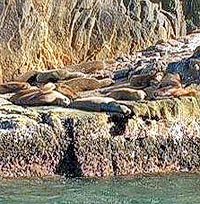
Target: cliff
37, 35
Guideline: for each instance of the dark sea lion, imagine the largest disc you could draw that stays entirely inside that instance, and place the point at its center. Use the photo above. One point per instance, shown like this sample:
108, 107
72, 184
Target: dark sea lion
29, 76
172, 80
12, 87
56, 75
141, 81
100, 104
127, 94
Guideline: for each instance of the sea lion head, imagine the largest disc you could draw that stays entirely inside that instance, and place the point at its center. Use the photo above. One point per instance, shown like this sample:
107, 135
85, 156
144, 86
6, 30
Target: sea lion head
64, 102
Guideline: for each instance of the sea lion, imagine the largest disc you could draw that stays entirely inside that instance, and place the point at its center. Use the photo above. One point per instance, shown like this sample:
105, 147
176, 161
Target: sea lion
87, 67
12, 87
141, 81
35, 96
86, 84
66, 90
171, 80
175, 92
56, 75
127, 94
100, 104
29, 77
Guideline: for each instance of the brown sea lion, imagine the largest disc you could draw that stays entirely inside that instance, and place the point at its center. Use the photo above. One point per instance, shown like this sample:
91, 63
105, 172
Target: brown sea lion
87, 67
86, 84
12, 87
100, 104
141, 81
66, 90
172, 80
45, 95
175, 92
127, 94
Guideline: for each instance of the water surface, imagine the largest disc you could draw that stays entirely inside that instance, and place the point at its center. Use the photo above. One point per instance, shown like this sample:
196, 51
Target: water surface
171, 189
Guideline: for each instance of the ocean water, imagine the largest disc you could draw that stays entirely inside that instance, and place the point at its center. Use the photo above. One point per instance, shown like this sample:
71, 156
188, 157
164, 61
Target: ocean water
171, 189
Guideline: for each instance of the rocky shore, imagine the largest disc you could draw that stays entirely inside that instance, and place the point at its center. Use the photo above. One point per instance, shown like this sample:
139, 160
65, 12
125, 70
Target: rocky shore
158, 133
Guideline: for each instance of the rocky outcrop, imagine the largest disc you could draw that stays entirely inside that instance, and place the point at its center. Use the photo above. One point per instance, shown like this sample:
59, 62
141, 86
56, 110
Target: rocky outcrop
41, 35
162, 136
192, 13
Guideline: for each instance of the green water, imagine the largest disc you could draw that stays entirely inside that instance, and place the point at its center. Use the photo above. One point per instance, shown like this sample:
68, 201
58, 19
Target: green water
175, 189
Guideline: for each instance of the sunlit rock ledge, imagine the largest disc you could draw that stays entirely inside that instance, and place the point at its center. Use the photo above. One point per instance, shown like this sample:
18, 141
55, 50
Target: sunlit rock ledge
161, 136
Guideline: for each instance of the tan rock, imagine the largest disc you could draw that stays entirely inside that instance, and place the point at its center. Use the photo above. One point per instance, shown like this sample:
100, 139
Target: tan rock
87, 67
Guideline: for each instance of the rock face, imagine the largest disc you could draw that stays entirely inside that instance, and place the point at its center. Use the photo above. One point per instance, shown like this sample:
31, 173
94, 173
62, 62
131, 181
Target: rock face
39, 35
192, 13
162, 136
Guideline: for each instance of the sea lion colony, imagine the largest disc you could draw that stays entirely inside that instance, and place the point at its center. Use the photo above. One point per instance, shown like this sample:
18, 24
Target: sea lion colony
84, 86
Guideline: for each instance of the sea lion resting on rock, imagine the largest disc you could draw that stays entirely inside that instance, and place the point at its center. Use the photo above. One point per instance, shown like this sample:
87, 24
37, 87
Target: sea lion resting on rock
171, 80
141, 81
66, 90
86, 84
57, 75
45, 95
171, 86
54, 75
12, 87
127, 94
29, 77
175, 92
100, 104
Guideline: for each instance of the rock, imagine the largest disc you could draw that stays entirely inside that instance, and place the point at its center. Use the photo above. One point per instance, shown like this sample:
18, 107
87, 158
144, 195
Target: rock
196, 53
127, 94
100, 104
87, 67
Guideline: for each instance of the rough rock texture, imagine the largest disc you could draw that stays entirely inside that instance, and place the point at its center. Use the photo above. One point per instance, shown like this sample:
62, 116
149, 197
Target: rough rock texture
36, 35
192, 13
162, 136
